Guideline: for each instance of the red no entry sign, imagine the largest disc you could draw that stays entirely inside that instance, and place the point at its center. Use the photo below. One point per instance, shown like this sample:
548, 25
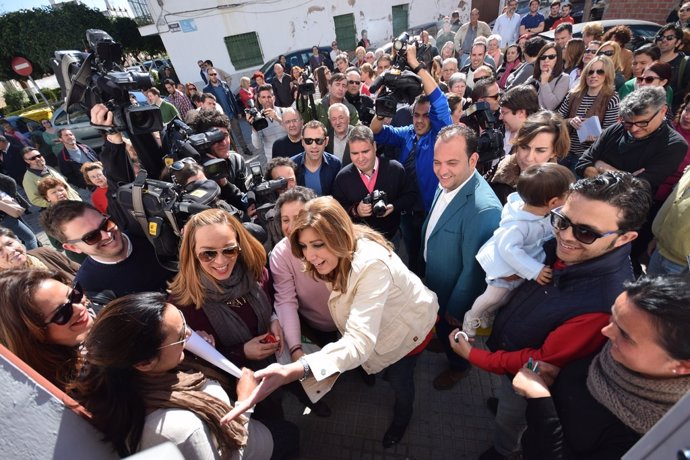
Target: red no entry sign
22, 66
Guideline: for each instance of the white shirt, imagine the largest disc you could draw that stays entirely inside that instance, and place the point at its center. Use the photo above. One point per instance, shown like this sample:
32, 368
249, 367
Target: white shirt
507, 28
339, 145
440, 206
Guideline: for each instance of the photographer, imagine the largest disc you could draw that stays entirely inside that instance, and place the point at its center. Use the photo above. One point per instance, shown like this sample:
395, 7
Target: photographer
416, 141
485, 90
337, 87
265, 133
363, 103
373, 190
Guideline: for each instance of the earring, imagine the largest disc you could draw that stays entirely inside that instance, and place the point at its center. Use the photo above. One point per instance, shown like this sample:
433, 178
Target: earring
675, 371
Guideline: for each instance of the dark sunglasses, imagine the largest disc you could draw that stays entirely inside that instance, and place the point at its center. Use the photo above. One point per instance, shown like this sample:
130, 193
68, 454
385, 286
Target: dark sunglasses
550, 57
179, 164
95, 236
683, 10
583, 234
65, 311
212, 74
668, 38
606, 53
588, 51
354, 82
35, 157
309, 140
649, 80
211, 254
596, 71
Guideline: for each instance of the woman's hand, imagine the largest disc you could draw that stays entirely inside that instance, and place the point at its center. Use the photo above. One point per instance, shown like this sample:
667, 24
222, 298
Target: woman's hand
255, 350
546, 75
207, 337
576, 122
246, 384
530, 385
277, 332
270, 379
462, 347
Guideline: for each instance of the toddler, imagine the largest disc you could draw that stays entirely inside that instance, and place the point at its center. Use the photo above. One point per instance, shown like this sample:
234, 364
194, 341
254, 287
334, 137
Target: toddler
514, 253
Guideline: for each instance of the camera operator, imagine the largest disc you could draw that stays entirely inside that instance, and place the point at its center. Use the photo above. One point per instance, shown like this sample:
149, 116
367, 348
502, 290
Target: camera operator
337, 87
373, 190
209, 119
278, 168
263, 138
363, 103
485, 90
416, 141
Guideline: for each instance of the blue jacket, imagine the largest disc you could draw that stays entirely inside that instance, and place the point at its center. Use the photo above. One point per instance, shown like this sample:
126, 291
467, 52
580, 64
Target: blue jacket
329, 169
225, 98
452, 271
404, 137
534, 311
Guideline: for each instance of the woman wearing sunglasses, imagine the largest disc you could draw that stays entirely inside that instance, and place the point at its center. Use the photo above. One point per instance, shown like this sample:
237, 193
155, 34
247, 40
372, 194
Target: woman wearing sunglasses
612, 50
43, 321
548, 78
13, 255
587, 55
594, 96
382, 310
220, 288
658, 74
600, 406
642, 57
140, 392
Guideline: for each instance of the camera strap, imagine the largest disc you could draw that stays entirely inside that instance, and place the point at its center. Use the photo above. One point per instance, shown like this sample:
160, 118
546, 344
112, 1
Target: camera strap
138, 201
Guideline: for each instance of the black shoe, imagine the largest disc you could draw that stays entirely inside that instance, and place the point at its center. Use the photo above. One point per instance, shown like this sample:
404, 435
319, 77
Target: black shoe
393, 435
492, 405
320, 409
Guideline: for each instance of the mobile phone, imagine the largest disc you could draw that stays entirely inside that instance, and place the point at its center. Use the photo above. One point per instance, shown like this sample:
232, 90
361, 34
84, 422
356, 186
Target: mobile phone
270, 338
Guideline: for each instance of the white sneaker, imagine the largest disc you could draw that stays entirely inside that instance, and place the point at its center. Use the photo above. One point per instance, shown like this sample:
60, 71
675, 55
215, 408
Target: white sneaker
486, 320
470, 324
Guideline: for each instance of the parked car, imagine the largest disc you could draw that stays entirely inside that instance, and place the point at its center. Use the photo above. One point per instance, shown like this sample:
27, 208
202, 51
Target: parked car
298, 57
22, 124
643, 31
157, 64
79, 123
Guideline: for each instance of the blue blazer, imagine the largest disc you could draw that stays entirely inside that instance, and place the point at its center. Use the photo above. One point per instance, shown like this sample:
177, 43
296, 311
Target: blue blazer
452, 271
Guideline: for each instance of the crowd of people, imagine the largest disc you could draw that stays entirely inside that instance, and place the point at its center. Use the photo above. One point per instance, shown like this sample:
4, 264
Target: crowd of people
388, 236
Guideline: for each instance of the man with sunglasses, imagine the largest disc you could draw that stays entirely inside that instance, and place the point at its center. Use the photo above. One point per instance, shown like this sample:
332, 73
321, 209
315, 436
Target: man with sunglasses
37, 169
363, 103
221, 90
116, 262
642, 143
316, 168
669, 39
561, 321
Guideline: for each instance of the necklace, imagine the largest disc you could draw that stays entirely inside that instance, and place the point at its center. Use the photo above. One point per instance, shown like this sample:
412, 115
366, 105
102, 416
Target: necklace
236, 303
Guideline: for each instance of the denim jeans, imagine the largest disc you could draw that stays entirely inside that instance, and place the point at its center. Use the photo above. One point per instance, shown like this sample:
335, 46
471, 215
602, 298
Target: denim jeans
22, 231
400, 375
660, 265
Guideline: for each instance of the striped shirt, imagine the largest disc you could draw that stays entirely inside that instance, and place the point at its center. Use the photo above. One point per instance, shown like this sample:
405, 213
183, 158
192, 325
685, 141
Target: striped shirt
610, 117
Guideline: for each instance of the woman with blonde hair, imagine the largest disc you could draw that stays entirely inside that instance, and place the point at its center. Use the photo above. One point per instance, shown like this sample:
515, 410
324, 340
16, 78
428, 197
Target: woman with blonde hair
383, 311
594, 95
448, 51
612, 50
246, 92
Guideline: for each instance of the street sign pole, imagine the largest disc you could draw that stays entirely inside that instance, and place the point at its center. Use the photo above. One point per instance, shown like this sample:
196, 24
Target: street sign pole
23, 67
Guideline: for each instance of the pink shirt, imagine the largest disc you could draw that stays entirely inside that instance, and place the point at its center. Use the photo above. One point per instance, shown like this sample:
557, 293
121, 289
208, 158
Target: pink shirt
296, 290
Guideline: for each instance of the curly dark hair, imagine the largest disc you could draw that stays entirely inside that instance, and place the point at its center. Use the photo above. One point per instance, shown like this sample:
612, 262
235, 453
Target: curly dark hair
208, 119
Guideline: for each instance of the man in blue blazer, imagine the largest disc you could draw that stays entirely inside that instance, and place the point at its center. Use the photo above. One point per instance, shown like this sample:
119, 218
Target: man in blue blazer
464, 214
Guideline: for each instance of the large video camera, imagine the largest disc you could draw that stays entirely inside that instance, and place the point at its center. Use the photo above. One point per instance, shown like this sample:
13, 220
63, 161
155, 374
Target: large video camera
490, 145
399, 83
180, 141
307, 87
87, 79
265, 191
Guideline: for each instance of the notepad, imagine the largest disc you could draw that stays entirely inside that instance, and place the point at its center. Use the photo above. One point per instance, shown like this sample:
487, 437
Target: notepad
589, 127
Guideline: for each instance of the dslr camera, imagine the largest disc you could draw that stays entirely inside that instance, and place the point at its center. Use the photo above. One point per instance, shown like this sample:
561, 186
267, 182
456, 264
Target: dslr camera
379, 200
307, 88
260, 122
490, 141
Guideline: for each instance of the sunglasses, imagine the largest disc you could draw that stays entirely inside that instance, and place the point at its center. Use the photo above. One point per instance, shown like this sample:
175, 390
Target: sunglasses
641, 123
590, 51
596, 71
550, 57
212, 74
582, 233
309, 140
35, 157
354, 82
185, 334
65, 311
95, 236
684, 10
648, 80
668, 38
609, 53
211, 254
179, 164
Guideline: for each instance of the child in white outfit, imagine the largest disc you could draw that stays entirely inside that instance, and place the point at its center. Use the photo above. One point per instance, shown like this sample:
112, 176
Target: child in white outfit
514, 253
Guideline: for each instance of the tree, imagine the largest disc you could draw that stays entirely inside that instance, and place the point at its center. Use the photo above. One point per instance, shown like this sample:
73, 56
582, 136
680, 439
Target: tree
36, 34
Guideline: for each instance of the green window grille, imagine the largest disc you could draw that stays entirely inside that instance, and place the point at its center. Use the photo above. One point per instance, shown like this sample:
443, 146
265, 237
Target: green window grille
244, 50
345, 32
400, 19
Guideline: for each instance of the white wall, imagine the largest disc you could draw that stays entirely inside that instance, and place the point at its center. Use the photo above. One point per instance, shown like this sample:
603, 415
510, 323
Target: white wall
282, 26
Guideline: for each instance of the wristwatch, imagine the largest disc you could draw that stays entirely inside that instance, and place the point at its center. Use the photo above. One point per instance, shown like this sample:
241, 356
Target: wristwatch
307, 370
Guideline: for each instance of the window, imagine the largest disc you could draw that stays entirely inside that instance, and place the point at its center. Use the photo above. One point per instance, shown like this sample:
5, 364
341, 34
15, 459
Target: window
400, 19
244, 50
345, 32
140, 8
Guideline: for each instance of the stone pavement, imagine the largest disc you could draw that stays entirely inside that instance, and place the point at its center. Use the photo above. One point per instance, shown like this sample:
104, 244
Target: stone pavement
453, 424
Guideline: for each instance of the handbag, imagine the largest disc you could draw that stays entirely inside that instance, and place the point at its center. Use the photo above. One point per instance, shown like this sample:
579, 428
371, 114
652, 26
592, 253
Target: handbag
9, 206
